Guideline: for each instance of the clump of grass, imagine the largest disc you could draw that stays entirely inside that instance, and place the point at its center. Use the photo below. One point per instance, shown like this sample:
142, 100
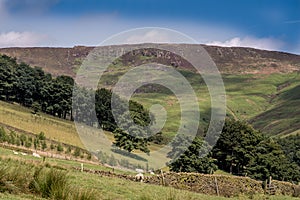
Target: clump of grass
50, 183
12, 176
84, 195
170, 195
54, 184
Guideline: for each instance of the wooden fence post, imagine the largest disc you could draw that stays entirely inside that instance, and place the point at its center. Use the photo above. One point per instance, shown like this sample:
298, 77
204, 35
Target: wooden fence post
163, 178
81, 167
217, 187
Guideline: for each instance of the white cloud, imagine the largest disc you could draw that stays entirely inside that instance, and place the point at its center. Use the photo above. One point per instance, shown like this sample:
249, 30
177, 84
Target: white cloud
258, 43
20, 39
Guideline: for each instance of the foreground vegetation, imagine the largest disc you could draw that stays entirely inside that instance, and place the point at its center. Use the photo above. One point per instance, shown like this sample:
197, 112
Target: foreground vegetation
54, 173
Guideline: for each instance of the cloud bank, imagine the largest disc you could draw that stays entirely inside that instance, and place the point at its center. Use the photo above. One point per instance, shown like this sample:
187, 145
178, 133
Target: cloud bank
21, 39
257, 43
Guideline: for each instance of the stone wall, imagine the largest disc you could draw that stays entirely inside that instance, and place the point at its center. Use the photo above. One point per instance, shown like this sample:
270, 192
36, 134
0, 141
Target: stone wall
227, 186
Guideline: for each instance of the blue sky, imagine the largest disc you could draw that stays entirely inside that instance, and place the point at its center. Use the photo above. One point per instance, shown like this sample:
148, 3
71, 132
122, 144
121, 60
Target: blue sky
268, 24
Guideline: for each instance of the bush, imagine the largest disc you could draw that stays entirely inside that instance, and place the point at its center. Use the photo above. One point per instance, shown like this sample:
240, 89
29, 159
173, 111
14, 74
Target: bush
77, 152
28, 144
59, 148
23, 139
44, 145
89, 156
3, 135
12, 177
36, 143
41, 136
50, 184
68, 150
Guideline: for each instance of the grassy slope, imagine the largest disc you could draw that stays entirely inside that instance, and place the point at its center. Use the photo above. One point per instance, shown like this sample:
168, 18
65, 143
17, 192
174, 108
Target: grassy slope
283, 117
268, 108
64, 131
114, 188
269, 102
54, 128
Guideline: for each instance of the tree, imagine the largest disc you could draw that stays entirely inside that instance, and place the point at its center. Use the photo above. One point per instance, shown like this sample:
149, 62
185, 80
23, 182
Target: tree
179, 145
129, 142
192, 161
270, 160
7, 77
36, 107
234, 149
291, 147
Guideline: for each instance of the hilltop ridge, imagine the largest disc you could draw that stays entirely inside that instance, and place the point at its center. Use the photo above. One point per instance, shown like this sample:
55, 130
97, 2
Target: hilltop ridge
230, 60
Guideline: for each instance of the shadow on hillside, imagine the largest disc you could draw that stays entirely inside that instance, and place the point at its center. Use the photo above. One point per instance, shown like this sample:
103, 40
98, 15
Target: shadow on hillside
128, 154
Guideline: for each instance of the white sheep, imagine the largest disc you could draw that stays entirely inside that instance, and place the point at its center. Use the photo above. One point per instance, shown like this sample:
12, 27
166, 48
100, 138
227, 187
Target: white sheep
16, 153
139, 177
36, 155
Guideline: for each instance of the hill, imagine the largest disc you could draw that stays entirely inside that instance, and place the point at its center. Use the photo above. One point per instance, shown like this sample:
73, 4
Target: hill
261, 86
230, 60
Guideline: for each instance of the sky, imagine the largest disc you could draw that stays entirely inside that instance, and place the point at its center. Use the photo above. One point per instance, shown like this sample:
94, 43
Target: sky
263, 24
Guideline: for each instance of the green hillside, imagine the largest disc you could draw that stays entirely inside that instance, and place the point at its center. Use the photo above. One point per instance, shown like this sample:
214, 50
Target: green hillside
261, 86
268, 101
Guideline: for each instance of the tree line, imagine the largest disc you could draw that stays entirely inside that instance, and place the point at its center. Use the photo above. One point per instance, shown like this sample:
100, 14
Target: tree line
33, 88
243, 151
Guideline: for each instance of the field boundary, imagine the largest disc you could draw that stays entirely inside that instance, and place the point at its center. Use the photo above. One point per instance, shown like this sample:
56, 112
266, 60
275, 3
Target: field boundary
227, 186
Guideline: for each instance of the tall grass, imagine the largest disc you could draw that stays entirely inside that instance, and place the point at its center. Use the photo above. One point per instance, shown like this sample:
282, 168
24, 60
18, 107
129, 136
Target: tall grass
20, 177
50, 183
13, 176
54, 184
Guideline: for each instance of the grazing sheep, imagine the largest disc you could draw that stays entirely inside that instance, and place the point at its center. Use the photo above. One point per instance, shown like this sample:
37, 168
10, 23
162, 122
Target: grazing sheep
139, 177
24, 154
36, 155
16, 153
151, 172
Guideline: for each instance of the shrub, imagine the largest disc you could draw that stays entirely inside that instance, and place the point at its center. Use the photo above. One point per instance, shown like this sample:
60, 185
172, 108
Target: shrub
77, 152
36, 143
89, 156
50, 184
59, 148
44, 145
41, 136
28, 144
12, 177
23, 139
3, 135
68, 149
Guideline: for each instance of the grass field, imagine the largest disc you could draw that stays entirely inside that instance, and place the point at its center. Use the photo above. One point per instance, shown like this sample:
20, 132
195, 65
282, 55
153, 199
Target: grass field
65, 131
112, 188
54, 128
269, 102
